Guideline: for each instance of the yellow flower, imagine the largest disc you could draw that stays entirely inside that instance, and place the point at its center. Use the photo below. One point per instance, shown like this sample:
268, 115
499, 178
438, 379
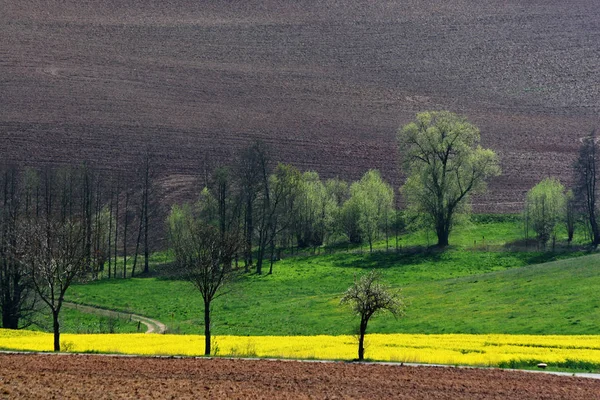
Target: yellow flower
480, 350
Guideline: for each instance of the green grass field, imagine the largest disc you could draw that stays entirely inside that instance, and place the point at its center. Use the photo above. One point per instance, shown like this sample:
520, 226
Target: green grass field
74, 321
476, 286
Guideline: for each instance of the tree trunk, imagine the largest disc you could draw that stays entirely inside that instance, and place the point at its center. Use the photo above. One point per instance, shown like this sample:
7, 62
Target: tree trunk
110, 217
261, 253
259, 261
10, 318
137, 243
11, 298
98, 259
245, 252
146, 219
125, 223
396, 228
117, 223
570, 233
56, 329
207, 328
595, 229
361, 340
443, 222
87, 213
387, 236
272, 256
249, 231
443, 232
146, 245
443, 240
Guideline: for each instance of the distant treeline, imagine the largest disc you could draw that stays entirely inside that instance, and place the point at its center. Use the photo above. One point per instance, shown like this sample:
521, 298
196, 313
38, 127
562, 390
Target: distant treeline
275, 206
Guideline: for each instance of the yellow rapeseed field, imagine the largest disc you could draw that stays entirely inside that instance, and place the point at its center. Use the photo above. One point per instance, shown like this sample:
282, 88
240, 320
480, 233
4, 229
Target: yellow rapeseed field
481, 350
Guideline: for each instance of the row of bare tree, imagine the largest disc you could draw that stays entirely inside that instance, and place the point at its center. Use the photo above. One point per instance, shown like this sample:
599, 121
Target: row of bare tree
59, 225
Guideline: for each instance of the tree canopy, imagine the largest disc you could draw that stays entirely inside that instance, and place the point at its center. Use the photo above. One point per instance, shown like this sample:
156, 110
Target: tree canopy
444, 164
545, 207
374, 200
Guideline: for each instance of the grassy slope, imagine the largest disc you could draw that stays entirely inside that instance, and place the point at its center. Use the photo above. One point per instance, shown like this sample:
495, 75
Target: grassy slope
459, 290
74, 321
561, 297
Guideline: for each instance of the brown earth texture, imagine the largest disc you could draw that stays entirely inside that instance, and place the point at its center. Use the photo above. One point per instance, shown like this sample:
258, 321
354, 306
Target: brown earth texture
327, 83
106, 377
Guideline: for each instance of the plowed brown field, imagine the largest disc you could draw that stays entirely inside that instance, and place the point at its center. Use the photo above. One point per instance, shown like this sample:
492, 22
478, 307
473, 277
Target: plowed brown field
327, 83
105, 377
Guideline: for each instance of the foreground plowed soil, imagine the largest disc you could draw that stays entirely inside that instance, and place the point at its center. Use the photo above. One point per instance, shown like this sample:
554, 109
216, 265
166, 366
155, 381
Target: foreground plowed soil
89, 376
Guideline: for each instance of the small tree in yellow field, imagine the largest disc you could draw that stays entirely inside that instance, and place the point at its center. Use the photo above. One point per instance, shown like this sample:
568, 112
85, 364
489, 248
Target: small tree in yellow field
367, 297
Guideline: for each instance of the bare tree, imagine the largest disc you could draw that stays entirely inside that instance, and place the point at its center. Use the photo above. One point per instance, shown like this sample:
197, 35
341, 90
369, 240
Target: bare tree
139, 234
202, 254
125, 226
267, 203
148, 202
17, 297
229, 205
116, 219
570, 215
252, 172
56, 255
367, 297
228, 200
96, 217
146, 175
57, 243
55, 249
87, 202
110, 232
586, 180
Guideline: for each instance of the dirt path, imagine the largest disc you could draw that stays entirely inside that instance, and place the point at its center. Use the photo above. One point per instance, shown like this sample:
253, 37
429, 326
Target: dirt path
152, 325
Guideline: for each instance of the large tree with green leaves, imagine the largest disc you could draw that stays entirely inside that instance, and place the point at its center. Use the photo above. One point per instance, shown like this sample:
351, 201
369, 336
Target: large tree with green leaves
444, 164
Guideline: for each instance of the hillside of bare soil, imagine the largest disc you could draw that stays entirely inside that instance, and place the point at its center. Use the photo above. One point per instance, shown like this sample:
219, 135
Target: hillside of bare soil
327, 83
105, 377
